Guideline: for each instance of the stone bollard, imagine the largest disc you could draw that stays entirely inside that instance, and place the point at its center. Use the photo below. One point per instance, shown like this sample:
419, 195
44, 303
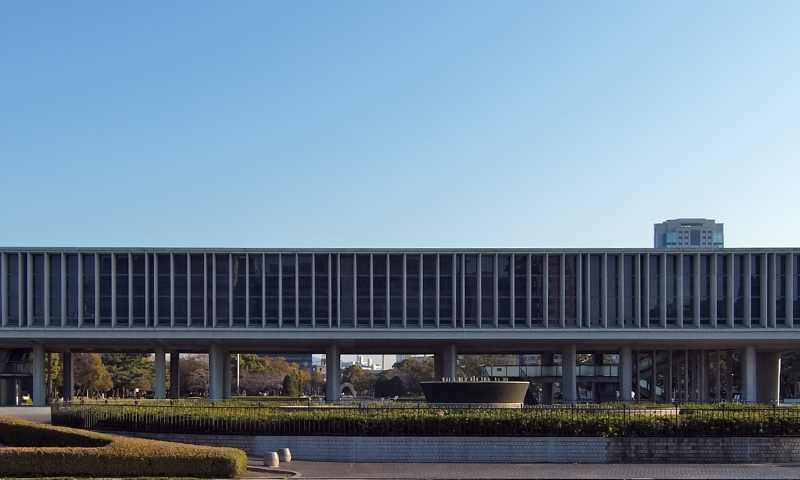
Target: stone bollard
271, 459
284, 455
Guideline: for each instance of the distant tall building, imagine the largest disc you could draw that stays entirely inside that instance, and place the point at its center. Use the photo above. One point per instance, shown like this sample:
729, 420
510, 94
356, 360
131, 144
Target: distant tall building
689, 233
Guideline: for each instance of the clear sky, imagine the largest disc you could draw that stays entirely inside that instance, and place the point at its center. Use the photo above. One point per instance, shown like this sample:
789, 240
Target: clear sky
396, 124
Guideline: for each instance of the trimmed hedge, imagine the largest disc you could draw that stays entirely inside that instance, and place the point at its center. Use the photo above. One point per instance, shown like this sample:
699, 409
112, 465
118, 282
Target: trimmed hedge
36, 450
586, 422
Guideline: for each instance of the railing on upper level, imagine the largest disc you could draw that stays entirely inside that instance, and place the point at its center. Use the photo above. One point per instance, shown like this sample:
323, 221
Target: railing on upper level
534, 371
16, 368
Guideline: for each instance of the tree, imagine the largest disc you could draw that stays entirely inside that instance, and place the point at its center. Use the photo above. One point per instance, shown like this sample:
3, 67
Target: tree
386, 386
129, 371
417, 371
290, 386
472, 365
316, 382
90, 375
362, 380
194, 376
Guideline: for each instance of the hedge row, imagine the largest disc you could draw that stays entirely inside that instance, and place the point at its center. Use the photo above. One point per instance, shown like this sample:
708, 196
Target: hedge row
36, 450
437, 422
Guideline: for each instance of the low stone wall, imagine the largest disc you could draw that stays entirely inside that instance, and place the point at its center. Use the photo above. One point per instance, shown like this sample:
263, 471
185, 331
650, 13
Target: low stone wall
507, 449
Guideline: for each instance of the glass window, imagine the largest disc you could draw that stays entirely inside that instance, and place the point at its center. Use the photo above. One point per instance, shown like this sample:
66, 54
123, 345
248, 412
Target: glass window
123, 300
198, 289
346, 264
139, 299
396, 300
688, 290
471, 291
39, 279
273, 272
223, 284
554, 290
239, 290
520, 291
88, 290
446, 291
363, 290
322, 289
537, 290
413, 291
255, 266
429, 291
73, 276
14, 281
289, 289
379, 296
164, 287
55, 289
181, 299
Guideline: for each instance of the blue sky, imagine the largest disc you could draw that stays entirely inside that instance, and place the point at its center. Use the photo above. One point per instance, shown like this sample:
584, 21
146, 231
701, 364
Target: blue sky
396, 124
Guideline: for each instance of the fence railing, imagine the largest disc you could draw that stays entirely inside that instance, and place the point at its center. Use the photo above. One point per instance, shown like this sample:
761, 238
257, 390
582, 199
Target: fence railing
573, 421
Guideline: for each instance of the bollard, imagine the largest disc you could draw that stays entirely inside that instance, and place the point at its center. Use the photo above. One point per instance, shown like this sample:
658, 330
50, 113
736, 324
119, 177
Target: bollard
284, 455
271, 459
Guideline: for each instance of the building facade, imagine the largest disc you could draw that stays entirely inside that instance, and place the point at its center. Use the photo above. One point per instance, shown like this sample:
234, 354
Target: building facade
689, 233
373, 301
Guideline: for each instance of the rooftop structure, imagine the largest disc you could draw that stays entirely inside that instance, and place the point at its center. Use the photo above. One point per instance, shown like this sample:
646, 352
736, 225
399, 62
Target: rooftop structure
689, 233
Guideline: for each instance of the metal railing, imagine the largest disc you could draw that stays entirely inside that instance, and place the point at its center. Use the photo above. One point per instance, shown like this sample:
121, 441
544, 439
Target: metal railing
572, 421
16, 368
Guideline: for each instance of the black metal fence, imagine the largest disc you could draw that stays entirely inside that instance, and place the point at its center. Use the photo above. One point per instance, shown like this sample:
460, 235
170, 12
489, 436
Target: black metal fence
581, 421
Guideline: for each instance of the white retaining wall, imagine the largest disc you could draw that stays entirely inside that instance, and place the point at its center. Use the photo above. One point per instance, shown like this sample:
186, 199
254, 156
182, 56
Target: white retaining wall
507, 449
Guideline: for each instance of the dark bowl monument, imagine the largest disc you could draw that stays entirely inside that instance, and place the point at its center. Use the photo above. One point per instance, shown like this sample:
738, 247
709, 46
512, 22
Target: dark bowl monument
476, 393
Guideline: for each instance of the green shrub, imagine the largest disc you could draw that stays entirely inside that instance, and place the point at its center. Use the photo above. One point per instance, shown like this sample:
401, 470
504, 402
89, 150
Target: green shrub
89, 454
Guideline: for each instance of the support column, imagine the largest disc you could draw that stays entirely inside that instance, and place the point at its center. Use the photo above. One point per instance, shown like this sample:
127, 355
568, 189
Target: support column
625, 373
69, 384
546, 397
703, 385
749, 374
717, 380
729, 376
597, 359
226, 375
768, 377
39, 384
174, 375
333, 364
215, 376
161, 374
449, 362
438, 366
569, 386
669, 394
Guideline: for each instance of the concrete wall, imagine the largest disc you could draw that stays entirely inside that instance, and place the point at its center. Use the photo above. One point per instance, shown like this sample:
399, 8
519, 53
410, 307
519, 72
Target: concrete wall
508, 449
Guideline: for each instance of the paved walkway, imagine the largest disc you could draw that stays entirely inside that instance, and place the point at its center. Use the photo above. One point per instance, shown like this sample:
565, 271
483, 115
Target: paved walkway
26, 412
343, 470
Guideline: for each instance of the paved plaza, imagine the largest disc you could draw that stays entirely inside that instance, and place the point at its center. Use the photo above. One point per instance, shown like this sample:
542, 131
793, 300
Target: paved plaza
343, 470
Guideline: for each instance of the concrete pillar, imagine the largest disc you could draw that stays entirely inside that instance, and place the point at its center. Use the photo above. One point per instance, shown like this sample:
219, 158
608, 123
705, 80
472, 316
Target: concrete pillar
687, 365
161, 374
729, 376
449, 362
749, 374
654, 378
215, 375
39, 392
768, 377
438, 366
625, 373
7, 392
569, 386
669, 394
226, 375
69, 384
718, 378
703, 385
174, 375
597, 359
546, 397
333, 362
